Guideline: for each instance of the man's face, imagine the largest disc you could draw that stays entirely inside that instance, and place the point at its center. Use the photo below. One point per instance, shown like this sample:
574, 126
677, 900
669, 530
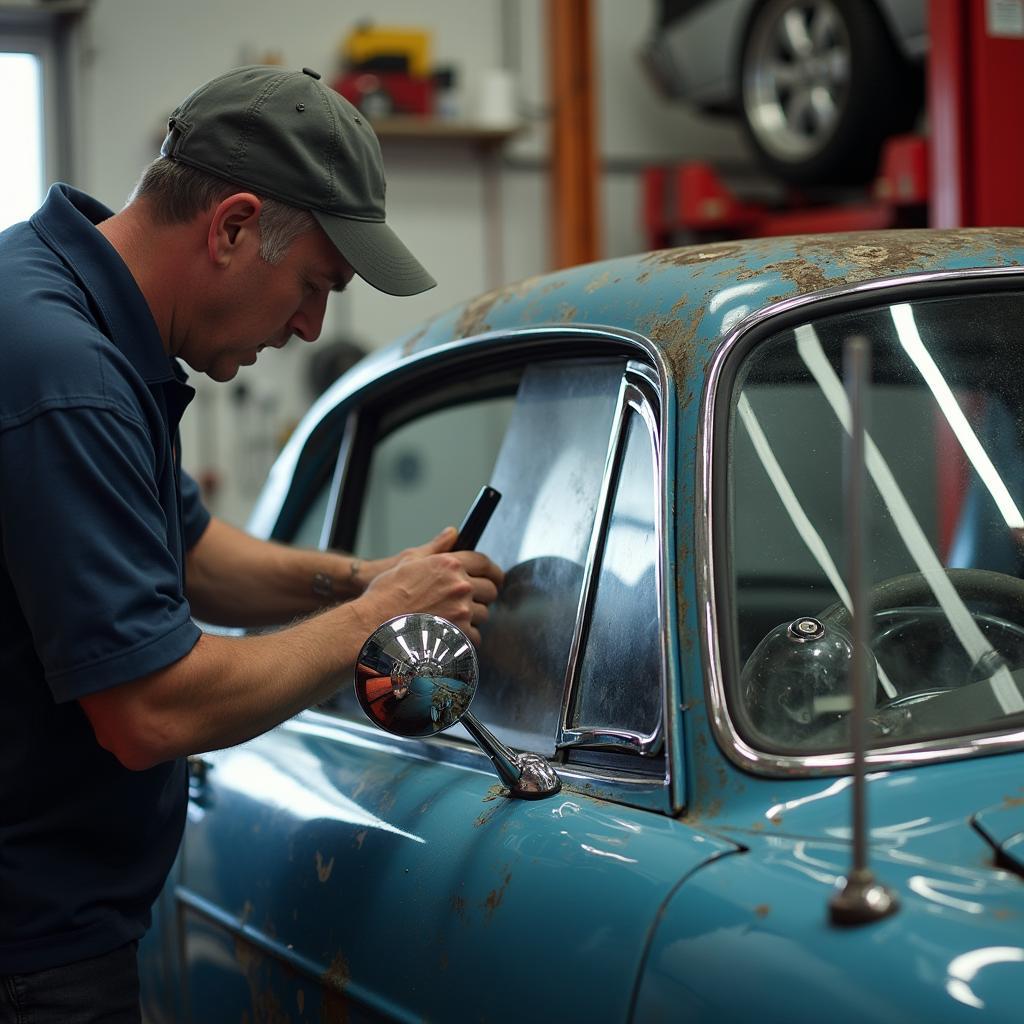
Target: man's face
261, 305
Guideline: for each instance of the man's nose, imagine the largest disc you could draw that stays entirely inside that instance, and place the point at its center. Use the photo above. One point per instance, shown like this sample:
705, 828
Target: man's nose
308, 320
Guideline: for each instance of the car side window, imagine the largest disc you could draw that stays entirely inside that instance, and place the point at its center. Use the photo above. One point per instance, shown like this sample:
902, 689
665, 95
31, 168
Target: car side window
541, 437
550, 471
309, 529
620, 674
425, 474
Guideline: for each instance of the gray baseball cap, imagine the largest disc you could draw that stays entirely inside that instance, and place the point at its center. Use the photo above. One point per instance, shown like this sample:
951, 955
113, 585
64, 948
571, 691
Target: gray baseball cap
287, 136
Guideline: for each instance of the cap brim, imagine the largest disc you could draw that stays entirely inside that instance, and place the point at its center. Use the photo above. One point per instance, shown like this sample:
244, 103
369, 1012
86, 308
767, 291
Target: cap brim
376, 254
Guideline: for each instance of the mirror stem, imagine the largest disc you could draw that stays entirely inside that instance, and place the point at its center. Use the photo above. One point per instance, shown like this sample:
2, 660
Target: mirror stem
523, 775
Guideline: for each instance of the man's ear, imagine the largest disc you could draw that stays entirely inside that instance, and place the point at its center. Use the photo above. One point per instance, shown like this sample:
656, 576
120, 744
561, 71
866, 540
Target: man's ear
233, 228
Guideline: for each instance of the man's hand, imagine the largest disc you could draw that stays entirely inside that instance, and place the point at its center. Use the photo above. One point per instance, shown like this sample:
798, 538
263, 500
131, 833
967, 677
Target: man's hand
369, 570
457, 585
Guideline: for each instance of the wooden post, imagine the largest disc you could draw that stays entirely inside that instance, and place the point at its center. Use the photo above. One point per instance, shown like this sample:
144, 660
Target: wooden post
575, 212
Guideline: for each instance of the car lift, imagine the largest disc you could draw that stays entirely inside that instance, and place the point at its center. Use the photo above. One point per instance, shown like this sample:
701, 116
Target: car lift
969, 171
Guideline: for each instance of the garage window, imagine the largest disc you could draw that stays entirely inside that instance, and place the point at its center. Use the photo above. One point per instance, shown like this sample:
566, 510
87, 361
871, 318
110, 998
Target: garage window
35, 105
21, 127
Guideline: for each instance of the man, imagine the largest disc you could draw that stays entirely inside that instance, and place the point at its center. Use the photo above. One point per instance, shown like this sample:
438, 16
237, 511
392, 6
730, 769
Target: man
269, 195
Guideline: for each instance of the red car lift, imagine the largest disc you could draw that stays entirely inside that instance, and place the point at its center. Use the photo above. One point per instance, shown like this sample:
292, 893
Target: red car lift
969, 172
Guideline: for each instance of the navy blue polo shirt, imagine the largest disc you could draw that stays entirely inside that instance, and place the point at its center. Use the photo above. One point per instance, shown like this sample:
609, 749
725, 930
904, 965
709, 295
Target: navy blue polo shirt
95, 520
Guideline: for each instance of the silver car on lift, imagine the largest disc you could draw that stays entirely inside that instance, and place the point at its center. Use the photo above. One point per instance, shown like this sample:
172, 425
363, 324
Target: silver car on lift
818, 84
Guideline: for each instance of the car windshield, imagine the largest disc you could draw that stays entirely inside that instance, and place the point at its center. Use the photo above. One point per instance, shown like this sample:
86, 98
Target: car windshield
945, 478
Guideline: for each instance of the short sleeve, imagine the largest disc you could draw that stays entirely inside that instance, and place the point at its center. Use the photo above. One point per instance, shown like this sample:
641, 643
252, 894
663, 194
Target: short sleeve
90, 550
194, 516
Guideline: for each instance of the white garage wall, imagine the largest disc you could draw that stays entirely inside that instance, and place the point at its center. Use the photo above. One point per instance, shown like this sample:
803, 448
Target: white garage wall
140, 57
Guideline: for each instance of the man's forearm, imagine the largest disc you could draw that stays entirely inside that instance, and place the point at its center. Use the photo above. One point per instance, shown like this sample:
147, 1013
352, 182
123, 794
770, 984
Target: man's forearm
233, 579
229, 689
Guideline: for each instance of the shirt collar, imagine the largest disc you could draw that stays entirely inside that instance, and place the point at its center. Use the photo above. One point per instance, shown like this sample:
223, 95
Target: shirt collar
67, 223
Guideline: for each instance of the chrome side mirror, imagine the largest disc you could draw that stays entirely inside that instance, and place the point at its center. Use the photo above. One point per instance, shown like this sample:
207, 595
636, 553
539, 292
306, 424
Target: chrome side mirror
416, 676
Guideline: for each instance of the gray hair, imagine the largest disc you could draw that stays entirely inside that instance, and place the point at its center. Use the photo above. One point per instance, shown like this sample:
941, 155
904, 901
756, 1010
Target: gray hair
177, 193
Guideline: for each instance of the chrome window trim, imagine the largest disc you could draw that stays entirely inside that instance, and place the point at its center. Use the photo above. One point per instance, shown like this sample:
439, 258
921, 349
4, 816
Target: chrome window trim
338, 479
646, 793
631, 399
570, 682
734, 745
664, 794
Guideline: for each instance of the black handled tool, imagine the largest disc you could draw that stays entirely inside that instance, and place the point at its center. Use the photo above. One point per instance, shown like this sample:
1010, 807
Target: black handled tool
476, 519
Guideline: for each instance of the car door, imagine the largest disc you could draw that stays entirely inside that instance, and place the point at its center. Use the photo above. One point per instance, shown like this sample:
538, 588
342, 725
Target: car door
332, 871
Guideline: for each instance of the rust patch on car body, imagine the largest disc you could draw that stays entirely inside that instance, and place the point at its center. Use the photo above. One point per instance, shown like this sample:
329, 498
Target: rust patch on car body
494, 898
323, 869
485, 815
808, 277
335, 982
705, 805
692, 255
676, 337
878, 254
266, 1006
474, 317
410, 343
817, 262
762, 909
680, 304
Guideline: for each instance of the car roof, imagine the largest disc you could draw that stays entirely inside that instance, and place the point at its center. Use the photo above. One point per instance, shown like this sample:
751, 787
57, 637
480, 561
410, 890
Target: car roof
687, 300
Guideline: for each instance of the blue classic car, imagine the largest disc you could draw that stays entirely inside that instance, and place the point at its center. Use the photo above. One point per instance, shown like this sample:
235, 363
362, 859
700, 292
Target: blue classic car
672, 642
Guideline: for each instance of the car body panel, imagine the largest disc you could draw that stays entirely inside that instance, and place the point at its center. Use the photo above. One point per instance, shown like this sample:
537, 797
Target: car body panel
336, 829
765, 915
332, 869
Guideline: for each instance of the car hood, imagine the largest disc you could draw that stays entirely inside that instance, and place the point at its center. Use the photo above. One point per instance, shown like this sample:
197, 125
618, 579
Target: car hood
951, 948
960, 815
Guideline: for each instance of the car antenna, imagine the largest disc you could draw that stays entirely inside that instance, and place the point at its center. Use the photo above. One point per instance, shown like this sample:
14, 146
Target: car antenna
859, 898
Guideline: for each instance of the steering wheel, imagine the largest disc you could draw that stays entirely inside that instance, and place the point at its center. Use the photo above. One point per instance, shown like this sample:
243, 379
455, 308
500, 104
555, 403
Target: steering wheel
1005, 593
909, 600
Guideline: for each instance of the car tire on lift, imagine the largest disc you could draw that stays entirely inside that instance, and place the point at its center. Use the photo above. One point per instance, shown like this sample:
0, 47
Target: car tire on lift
866, 88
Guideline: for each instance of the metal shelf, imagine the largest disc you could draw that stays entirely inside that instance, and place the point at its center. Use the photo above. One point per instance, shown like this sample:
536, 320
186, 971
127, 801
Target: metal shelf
411, 127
